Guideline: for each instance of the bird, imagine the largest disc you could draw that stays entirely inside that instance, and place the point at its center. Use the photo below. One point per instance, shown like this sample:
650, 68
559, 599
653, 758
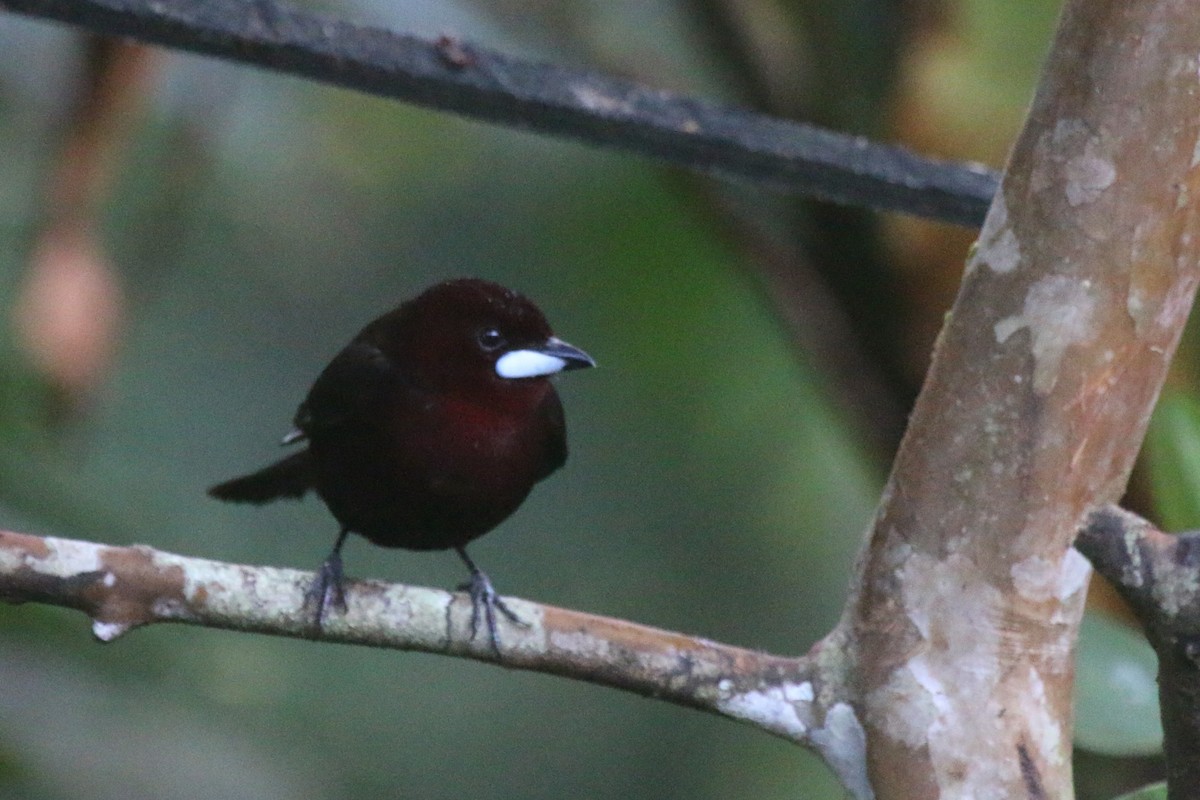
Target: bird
427, 431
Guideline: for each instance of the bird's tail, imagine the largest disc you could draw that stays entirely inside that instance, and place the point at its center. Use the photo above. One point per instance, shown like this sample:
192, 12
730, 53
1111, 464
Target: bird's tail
289, 477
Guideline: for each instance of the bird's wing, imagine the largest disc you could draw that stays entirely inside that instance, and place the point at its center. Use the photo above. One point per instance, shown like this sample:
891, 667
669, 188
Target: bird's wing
350, 391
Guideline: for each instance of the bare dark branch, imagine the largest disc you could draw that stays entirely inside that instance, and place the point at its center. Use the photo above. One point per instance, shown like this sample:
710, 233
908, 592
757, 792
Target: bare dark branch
1156, 574
452, 75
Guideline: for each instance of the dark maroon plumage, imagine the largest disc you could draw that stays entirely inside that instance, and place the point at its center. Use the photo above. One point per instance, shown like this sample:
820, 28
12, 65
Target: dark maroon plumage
429, 429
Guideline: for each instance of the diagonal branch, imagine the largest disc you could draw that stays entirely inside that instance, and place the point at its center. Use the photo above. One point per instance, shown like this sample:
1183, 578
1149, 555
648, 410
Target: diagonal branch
1038, 396
121, 588
450, 75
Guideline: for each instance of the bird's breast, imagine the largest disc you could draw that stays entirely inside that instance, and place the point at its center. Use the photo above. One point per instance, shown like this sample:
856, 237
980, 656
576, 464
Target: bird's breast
486, 444
440, 477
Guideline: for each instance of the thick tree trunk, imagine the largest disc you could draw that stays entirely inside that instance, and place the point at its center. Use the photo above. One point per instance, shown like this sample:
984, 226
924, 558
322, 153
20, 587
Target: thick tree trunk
1033, 412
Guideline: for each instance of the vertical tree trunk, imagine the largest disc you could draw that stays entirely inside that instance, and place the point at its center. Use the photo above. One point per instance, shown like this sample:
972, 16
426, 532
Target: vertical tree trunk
1043, 380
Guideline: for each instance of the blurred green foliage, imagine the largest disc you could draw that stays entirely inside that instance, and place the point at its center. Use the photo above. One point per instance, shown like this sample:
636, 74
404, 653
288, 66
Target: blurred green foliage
1156, 791
1173, 460
703, 461
1116, 690
713, 487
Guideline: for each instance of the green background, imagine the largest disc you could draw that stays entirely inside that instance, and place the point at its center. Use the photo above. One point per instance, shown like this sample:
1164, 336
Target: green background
714, 486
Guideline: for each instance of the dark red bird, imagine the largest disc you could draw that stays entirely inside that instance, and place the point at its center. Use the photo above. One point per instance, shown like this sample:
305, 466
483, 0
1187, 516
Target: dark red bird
428, 430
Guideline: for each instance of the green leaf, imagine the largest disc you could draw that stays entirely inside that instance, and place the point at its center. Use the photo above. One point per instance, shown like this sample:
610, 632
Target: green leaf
1153, 791
1116, 691
1173, 458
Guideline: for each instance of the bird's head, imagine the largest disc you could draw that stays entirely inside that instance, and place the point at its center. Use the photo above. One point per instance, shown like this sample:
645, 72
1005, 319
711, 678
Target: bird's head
472, 336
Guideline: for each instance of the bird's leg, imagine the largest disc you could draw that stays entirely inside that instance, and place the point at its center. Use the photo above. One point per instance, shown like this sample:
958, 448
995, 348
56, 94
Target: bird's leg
484, 594
326, 591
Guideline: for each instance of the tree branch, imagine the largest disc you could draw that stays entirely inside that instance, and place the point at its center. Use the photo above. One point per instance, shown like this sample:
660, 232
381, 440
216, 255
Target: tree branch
450, 75
1156, 574
1034, 409
121, 588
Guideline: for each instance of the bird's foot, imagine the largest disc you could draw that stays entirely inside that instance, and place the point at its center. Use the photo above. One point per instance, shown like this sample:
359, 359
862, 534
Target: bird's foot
326, 591
483, 595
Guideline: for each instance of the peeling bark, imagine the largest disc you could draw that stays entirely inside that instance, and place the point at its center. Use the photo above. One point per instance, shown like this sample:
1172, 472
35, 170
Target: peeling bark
1036, 404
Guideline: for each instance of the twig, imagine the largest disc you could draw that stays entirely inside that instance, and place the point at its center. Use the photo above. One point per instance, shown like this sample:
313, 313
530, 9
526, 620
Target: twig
453, 75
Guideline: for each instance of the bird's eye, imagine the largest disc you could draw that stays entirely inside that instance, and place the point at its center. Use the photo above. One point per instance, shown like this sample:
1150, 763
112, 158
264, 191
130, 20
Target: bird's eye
490, 339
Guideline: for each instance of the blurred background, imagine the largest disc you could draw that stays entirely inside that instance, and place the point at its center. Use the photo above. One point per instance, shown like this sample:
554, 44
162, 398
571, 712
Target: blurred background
185, 243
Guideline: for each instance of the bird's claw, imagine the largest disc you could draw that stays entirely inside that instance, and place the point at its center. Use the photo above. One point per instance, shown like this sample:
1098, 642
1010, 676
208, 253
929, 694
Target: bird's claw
483, 595
326, 591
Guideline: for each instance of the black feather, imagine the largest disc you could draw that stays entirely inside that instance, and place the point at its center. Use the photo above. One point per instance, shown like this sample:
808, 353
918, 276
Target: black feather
289, 477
